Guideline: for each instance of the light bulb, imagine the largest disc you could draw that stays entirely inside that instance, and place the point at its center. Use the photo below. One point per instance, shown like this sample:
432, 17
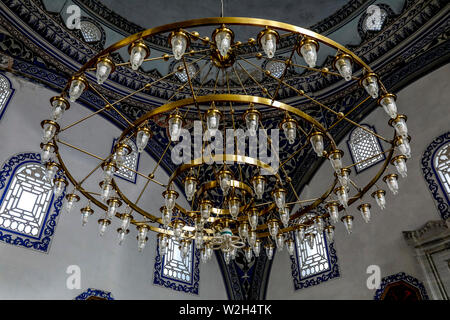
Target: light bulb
51, 168
106, 190
46, 152
316, 139
253, 218
102, 225
198, 240
252, 118
269, 251
59, 184
166, 216
175, 123
319, 225
289, 127
308, 50
227, 257
391, 181
125, 221
273, 227
403, 147
379, 196
138, 52
259, 183
343, 64
179, 43
213, 119
365, 211
248, 254
205, 209
388, 103
400, 165
121, 236
225, 180
58, 106
77, 87
269, 43
301, 233
252, 238
113, 205
141, 244
284, 216
233, 207
50, 128
85, 213
190, 187
71, 199
399, 124
257, 248
104, 68
178, 229
290, 246
223, 42
142, 137
142, 233
333, 210
169, 198
343, 177
348, 222
243, 230
335, 158
329, 232
108, 171
370, 84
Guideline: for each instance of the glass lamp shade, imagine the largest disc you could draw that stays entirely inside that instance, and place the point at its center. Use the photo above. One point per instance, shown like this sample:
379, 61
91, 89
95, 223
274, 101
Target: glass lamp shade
104, 68
121, 151
284, 216
280, 241
190, 187
59, 184
213, 117
269, 251
113, 205
379, 196
71, 199
248, 253
370, 84
121, 234
50, 129
403, 146
223, 41
316, 140
252, 118
365, 211
310, 240
47, 151
343, 64
77, 86
205, 209
85, 213
333, 210
392, 182
125, 220
103, 225
399, 124
290, 246
274, 227
243, 230
169, 198
198, 240
257, 248
178, 229
142, 232
268, 39
233, 207
335, 158
51, 168
259, 184
175, 124
342, 194
166, 216
279, 197
142, 137
319, 224
227, 257
329, 233
301, 233
224, 177
109, 169
253, 217
348, 222
106, 190
252, 235
138, 52
308, 50
179, 42
289, 127
204, 256
400, 164
387, 101
58, 106
343, 176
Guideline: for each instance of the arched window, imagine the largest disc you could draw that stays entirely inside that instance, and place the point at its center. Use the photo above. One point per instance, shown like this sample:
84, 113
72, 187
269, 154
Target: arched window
175, 272
436, 171
28, 210
131, 161
94, 294
316, 264
92, 33
401, 287
365, 148
6, 91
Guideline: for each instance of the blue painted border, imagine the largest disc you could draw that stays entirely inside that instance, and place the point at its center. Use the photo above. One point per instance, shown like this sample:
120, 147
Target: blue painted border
42, 242
317, 278
401, 276
90, 292
351, 151
10, 95
435, 186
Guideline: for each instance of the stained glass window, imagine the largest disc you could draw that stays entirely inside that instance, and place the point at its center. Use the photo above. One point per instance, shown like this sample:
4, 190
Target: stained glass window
365, 148
175, 266
442, 167
181, 75
131, 161
91, 33
276, 68
26, 200
5, 93
374, 18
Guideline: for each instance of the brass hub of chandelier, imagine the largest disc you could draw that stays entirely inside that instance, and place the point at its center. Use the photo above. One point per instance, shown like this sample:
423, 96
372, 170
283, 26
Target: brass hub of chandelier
220, 61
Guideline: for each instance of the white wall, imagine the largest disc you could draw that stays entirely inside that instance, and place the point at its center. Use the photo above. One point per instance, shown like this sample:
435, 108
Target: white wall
426, 103
122, 270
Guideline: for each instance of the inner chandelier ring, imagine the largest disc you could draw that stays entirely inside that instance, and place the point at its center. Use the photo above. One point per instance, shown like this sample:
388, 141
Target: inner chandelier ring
258, 209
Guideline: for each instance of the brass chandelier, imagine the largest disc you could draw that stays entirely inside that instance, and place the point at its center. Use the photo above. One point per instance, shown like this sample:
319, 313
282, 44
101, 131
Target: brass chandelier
236, 201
